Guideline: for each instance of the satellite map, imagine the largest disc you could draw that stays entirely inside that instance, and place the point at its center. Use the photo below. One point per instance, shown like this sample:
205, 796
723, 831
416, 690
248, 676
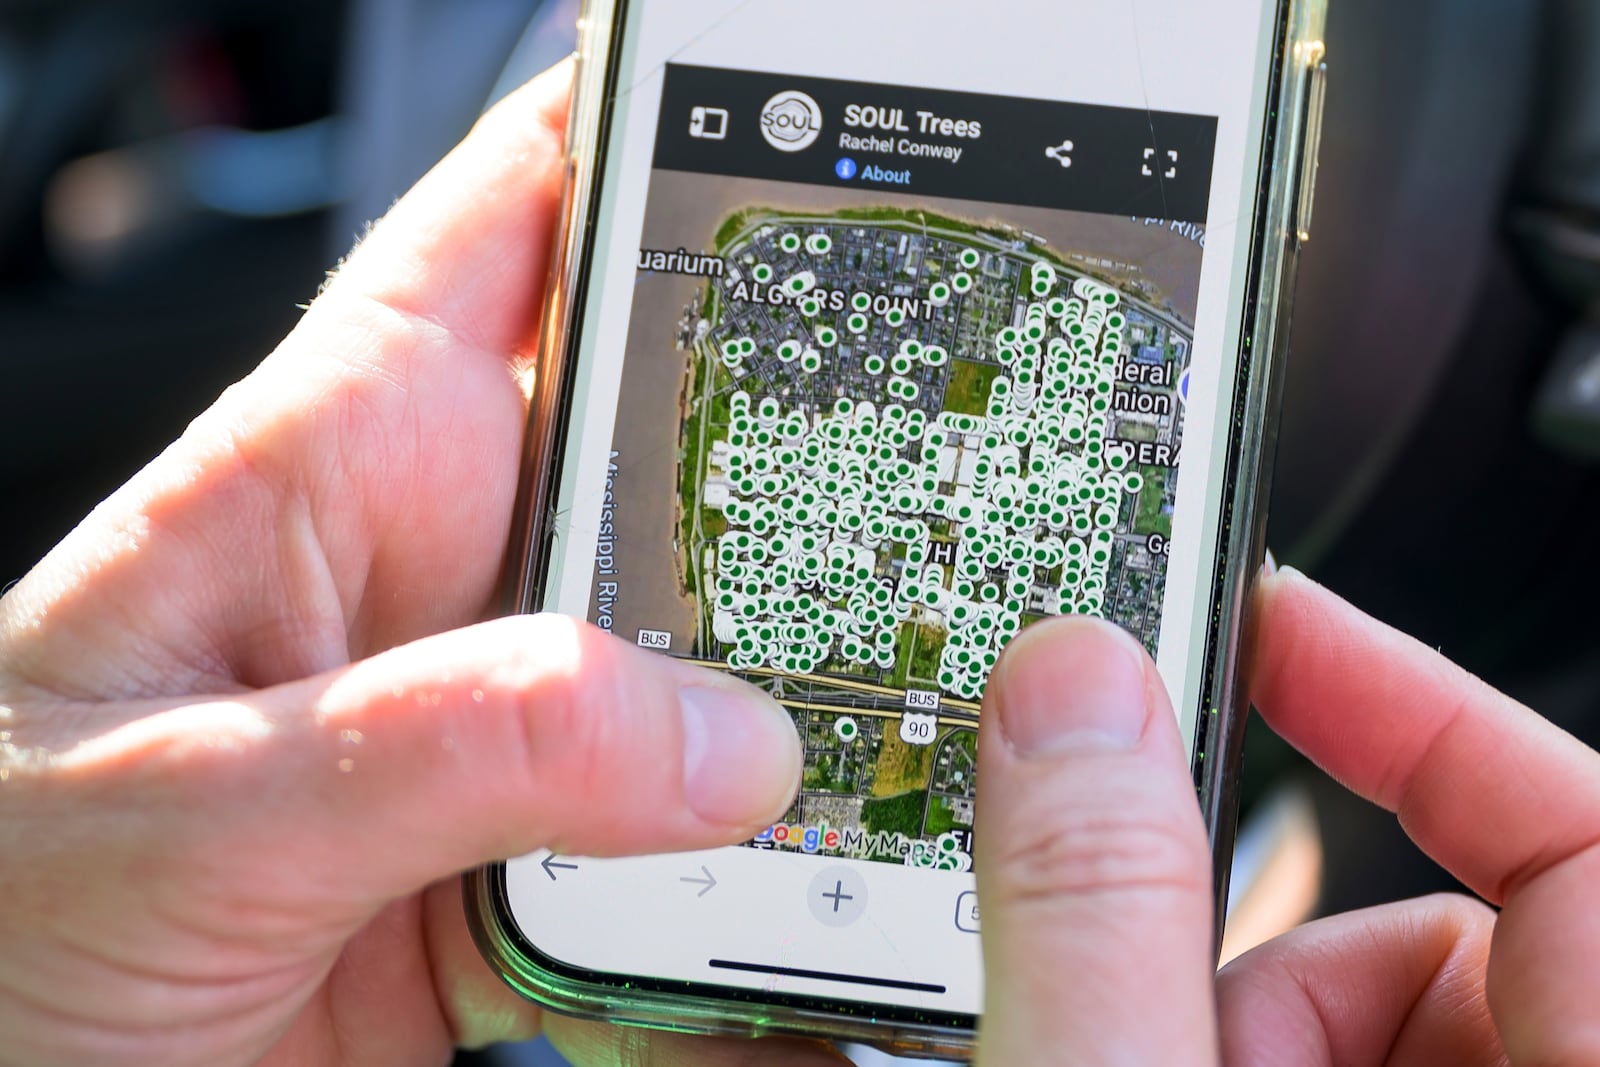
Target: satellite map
897, 436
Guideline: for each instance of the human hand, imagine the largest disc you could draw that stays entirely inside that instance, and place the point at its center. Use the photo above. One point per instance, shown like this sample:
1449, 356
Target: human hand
231, 814
236, 775
1095, 876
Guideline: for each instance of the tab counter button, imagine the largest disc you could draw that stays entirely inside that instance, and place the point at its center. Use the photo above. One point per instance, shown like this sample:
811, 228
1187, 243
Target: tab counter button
967, 912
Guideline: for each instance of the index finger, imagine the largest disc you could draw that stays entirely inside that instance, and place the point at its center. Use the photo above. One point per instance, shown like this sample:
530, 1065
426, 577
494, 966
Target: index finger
467, 247
1505, 800
1485, 786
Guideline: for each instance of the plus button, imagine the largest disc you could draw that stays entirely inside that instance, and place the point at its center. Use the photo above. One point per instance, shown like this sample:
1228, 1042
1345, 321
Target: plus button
837, 896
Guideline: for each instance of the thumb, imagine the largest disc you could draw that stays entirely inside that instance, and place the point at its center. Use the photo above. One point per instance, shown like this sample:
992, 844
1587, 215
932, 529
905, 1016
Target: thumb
1092, 860
517, 734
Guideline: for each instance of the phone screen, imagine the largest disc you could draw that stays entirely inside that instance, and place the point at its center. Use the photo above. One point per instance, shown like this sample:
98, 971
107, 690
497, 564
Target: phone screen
905, 326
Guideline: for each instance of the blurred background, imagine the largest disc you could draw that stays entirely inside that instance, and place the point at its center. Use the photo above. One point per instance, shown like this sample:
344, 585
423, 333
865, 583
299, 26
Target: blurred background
176, 176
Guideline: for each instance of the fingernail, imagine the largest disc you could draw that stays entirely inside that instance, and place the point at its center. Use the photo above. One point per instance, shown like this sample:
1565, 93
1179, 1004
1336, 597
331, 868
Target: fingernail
1070, 684
1270, 564
741, 756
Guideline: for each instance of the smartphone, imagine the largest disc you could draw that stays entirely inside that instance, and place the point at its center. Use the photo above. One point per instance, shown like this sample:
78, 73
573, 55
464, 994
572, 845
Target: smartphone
877, 332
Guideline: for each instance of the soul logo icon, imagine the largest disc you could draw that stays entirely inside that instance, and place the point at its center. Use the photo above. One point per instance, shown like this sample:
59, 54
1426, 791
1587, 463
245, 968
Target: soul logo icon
791, 121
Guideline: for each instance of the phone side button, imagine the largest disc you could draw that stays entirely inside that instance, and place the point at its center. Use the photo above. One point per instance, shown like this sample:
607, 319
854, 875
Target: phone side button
1312, 151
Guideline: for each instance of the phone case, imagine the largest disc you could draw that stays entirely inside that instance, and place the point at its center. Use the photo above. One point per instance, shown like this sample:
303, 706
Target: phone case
1282, 223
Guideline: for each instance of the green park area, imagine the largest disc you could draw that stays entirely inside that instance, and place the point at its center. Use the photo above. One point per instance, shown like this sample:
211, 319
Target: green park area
941, 819
896, 814
700, 429
901, 767
824, 775
917, 656
1150, 519
925, 655
968, 390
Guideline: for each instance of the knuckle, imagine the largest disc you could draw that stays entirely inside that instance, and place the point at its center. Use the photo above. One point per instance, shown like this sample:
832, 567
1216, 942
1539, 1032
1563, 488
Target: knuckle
1464, 913
1078, 851
566, 693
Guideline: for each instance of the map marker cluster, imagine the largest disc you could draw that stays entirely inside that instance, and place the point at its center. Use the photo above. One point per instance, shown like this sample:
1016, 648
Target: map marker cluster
820, 497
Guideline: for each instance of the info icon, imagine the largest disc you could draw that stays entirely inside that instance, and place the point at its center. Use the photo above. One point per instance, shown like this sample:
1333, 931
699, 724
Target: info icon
845, 169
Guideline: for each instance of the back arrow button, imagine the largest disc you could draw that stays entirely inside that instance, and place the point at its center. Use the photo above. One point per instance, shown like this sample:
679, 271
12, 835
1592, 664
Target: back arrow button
708, 881
551, 866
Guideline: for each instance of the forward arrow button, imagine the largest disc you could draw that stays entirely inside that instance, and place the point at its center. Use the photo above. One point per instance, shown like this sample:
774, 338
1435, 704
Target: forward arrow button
708, 882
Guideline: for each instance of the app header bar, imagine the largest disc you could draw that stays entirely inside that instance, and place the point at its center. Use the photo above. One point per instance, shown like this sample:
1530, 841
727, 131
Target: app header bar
995, 149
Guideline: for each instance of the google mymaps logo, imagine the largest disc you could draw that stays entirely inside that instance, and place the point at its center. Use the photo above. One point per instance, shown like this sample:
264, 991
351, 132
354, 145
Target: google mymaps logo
807, 838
